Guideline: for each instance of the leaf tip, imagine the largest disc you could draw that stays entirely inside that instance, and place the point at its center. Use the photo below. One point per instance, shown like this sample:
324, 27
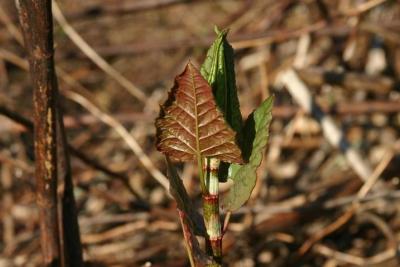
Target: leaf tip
190, 64
216, 30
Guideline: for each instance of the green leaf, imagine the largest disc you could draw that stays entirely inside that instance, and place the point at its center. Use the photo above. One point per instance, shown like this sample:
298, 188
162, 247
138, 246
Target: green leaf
255, 136
219, 70
184, 203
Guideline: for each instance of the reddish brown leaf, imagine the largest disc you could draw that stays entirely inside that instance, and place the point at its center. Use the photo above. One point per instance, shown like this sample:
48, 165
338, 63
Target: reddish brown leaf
191, 126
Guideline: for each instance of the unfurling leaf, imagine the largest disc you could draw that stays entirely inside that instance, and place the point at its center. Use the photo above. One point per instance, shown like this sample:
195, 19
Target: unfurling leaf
219, 70
190, 126
256, 132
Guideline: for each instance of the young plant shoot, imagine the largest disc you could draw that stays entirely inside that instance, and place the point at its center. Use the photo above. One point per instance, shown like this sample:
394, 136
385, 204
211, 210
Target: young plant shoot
201, 122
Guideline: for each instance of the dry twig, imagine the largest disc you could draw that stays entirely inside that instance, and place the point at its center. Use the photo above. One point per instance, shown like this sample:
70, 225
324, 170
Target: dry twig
94, 56
332, 133
344, 218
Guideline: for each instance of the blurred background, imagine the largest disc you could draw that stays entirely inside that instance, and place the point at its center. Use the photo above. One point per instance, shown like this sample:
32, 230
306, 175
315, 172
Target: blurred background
328, 188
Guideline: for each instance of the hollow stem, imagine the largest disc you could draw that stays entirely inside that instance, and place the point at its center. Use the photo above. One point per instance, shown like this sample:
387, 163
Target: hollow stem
211, 210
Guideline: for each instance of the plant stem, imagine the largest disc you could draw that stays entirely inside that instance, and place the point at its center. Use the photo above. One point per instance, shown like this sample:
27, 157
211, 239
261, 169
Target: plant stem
37, 27
200, 163
211, 211
185, 231
59, 229
70, 232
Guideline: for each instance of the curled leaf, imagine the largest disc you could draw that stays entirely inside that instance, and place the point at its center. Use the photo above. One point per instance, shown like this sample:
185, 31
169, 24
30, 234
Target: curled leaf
190, 126
256, 132
219, 70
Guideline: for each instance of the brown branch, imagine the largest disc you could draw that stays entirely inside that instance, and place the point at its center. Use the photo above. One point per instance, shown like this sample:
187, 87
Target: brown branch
380, 259
308, 212
242, 40
69, 215
344, 218
239, 41
126, 7
59, 248
35, 19
350, 80
343, 109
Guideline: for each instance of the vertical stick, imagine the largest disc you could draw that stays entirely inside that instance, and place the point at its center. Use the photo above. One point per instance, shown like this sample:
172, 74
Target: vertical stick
36, 22
211, 210
59, 247
68, 217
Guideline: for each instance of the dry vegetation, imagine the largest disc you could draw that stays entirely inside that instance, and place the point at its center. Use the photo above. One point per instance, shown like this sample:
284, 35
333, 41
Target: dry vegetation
328, 190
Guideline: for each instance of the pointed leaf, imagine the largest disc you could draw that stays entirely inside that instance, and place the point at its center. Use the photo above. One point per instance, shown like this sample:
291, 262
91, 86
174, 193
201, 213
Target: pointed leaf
256, 132
219, 70
183, 201
191, 126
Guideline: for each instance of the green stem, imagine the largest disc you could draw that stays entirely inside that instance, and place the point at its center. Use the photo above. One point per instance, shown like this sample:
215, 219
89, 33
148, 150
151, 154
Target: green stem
200, 162
211, 210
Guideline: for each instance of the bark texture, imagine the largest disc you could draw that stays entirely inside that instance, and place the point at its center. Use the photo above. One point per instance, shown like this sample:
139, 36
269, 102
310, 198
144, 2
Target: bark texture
60, 245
